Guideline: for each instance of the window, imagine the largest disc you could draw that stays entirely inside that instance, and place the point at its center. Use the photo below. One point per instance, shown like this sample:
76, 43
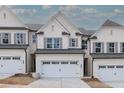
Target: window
34, 38
119, 66
73, 42
6, 58
46, 62
122, 47
102, 67
54, 43
5, 38
110, 66
55, 62
73, 62
16, 58
111, 47
19, 38
97, 47
84, 44
64, 62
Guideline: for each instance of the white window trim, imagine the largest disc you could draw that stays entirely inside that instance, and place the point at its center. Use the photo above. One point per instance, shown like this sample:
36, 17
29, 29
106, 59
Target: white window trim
53, 43
22, 42
98, 47
71, 43
3, 38
34, 38
111, 47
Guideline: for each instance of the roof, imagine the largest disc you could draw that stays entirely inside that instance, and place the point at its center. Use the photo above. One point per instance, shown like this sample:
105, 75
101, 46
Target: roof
9, 46
107, 55
61, 19
34, 27
86, 32
59, 51
111, 23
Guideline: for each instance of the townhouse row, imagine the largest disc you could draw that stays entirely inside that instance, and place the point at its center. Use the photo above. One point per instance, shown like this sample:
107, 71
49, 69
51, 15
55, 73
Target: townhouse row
60, 49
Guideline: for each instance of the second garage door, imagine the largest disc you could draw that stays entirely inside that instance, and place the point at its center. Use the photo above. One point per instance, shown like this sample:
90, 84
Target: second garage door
10, 64
111, 72
60, 69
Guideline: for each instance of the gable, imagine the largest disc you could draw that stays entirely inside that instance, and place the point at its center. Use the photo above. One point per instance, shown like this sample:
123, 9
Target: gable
63, 22
110, 35
9, 19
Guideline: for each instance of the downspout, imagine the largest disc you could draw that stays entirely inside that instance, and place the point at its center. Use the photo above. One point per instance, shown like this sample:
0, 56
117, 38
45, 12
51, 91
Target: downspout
92, 68
26, 61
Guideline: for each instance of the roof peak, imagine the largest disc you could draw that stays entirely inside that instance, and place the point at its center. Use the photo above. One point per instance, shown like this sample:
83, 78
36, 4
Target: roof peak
109, 22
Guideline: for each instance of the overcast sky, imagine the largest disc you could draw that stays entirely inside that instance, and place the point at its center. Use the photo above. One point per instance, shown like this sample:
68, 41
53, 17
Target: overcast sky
89, 17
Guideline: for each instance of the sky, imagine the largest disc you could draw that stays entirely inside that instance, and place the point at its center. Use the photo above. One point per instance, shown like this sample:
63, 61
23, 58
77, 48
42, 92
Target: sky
90, 17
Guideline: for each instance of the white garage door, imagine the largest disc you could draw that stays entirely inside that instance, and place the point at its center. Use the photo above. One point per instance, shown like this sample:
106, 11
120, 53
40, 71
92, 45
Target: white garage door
60, 69
11, 65
111, 72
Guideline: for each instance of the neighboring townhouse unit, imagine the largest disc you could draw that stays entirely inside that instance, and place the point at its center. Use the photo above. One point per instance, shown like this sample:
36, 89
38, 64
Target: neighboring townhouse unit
59, 52
13, 43
107, 52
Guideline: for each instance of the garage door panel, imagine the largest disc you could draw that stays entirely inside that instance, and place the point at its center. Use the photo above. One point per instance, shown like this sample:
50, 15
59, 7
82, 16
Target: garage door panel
63, 69
10, 65
111, 72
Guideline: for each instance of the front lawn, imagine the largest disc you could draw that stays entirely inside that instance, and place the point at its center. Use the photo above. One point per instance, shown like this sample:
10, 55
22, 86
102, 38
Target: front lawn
95, 83
20, 79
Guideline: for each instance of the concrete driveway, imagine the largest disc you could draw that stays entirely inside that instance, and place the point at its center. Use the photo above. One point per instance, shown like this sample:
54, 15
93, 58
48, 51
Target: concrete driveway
59, 83
116, 84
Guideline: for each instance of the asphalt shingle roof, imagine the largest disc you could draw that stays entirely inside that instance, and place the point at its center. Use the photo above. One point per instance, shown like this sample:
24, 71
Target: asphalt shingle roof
59, 51
34, 27
9, 46
107, 55
86, 32
111, 23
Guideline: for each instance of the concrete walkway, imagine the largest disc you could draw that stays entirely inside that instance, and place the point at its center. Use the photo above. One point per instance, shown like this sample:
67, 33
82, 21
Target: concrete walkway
59, 83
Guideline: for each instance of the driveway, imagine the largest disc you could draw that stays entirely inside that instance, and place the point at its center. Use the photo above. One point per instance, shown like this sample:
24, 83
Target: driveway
116, 84
59, 83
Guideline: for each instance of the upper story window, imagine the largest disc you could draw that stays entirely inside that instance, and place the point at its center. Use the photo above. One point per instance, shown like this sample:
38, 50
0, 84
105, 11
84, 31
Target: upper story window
73, 42
97, 47
84, 44
34, 38
6, 38
53, 43
20, 38
122, 47
111, 47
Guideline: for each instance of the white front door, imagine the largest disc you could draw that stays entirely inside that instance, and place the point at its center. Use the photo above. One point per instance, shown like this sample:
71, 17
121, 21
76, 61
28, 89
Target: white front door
11, 65
60, 69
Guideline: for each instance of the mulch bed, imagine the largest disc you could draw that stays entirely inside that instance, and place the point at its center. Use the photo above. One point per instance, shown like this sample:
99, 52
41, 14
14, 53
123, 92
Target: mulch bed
20, 79
95, 83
